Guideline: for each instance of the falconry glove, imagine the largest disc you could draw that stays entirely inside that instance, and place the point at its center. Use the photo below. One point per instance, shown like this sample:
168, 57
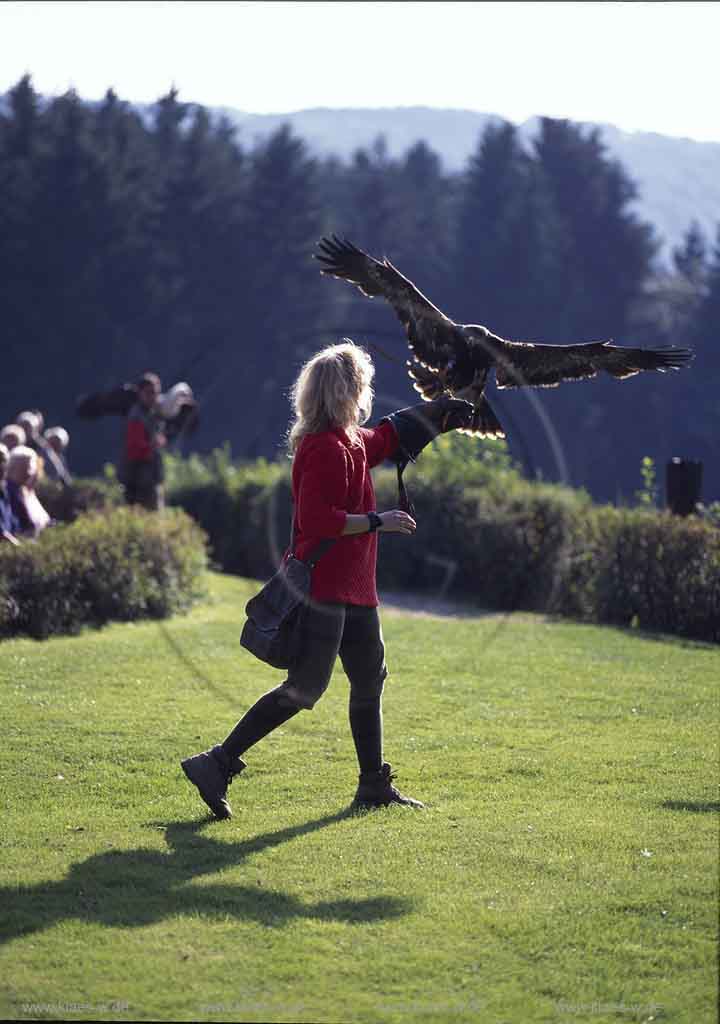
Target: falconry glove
418, 425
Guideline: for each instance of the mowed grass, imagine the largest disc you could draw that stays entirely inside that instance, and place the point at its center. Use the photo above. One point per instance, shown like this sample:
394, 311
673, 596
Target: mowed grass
565, 868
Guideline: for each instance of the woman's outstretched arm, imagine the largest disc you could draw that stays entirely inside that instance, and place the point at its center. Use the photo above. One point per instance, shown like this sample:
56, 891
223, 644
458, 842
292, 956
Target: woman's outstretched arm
394, 521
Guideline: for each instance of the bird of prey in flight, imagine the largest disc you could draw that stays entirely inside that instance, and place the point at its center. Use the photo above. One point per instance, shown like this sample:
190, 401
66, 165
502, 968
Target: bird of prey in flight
456, 359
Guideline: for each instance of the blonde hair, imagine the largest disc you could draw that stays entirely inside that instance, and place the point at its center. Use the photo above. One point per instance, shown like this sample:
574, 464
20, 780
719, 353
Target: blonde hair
333, 389
22, 455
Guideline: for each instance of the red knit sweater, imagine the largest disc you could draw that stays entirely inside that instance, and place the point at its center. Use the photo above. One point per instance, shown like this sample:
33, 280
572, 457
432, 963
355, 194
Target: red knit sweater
331, 479
138, 445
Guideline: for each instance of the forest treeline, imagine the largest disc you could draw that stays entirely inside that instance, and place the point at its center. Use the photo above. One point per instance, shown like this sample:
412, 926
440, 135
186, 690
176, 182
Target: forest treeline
158, 239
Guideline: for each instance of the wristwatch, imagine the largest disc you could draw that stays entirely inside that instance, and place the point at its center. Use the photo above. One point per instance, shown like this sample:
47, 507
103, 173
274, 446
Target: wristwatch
375, 521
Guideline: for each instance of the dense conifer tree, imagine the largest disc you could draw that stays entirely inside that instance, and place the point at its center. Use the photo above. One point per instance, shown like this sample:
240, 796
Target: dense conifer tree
690, 258
372, 213
706, 329
21, 143
609, 252
135, 239
492, 196
427, 213
278, 305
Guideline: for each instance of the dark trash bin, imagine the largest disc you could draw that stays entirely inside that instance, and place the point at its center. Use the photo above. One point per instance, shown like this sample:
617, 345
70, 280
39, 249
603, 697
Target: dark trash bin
683, 484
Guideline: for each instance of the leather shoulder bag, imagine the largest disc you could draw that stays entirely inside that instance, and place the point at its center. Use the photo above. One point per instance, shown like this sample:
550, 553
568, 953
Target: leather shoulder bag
273, 630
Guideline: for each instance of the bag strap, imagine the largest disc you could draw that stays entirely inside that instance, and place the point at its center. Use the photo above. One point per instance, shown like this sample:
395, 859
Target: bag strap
317, 552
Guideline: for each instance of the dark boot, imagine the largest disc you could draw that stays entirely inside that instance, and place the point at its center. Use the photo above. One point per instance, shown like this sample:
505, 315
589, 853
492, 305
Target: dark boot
212, 772
375, 789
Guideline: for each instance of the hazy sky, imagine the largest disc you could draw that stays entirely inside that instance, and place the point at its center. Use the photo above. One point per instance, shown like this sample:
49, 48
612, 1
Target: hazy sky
641, 66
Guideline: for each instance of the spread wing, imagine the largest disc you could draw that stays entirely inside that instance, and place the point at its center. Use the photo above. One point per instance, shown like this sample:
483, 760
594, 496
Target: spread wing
432, 336
520, 364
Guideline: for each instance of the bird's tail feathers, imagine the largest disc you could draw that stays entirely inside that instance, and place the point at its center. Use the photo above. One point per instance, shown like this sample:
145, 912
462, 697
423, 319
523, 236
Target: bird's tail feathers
430, 385
484, 423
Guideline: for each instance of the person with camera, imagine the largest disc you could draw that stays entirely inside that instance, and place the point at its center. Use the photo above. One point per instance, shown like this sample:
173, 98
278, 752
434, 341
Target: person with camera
142, 469
334, 500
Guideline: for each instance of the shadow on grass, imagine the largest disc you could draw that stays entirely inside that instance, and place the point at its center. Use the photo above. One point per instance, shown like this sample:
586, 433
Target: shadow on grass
132, 888
696, 806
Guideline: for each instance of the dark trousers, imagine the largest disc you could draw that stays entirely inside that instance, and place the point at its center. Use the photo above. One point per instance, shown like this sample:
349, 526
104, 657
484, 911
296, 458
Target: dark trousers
151, 497
143, 485
329, 630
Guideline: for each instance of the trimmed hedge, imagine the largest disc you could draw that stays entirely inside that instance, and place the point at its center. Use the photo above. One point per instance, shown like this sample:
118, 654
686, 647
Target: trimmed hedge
244, 508
656, 571
122, 565
65, 504
489, 536
547, 551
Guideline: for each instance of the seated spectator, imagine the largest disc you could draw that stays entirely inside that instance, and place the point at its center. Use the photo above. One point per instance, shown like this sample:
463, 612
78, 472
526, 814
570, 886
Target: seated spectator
59, 439
12, 435
32, 422
21, 473
9, 524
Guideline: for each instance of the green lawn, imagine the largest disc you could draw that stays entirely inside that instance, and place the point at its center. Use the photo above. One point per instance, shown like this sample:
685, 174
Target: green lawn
565, 869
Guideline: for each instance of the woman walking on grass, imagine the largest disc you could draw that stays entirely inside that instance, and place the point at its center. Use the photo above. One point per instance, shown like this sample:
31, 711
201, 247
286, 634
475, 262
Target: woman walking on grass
334, 500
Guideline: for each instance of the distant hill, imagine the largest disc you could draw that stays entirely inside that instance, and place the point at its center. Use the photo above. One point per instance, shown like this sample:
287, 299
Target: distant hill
678, 179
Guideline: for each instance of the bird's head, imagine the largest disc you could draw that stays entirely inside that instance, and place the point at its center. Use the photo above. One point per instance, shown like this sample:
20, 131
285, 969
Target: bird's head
477, 333
481, 339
